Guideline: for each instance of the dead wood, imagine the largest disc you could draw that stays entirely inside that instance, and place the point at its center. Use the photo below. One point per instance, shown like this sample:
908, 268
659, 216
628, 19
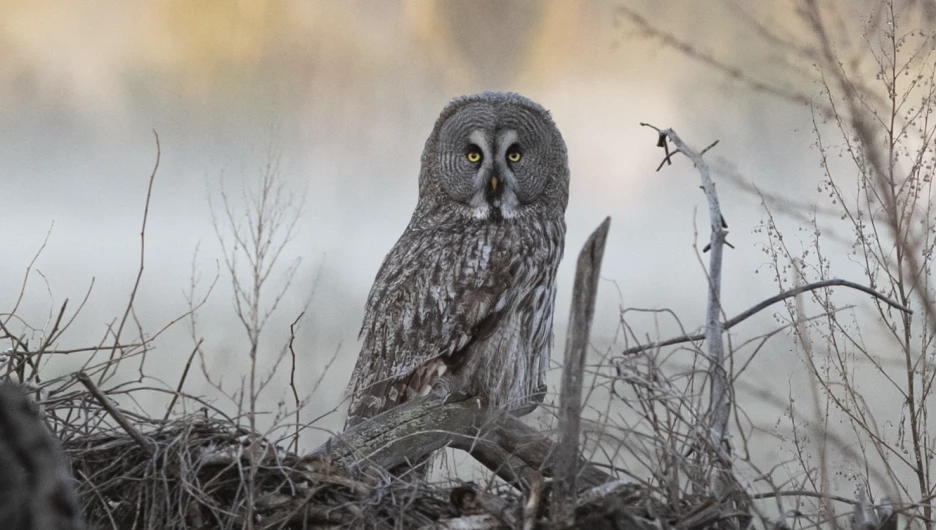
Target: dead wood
514, 451
584, 294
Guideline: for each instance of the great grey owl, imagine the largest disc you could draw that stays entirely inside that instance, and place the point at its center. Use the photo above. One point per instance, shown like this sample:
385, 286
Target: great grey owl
466, 296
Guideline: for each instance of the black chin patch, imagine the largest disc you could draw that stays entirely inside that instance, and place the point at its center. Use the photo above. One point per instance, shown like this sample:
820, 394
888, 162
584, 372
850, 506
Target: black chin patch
493, 198
490, 194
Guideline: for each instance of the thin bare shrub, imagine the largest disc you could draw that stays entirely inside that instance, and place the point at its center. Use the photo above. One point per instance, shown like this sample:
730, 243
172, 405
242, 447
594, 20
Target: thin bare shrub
859, 437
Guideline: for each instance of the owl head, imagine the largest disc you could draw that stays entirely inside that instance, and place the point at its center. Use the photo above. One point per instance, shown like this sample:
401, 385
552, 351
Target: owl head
495, 156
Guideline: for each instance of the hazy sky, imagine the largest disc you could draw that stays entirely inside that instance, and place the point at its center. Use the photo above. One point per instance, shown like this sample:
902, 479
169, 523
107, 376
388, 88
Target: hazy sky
345, 93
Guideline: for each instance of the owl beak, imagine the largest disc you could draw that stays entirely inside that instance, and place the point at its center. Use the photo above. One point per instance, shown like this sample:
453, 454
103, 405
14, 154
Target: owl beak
495, 186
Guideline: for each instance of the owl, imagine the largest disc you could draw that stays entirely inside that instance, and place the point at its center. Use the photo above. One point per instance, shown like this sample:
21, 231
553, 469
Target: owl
464, 300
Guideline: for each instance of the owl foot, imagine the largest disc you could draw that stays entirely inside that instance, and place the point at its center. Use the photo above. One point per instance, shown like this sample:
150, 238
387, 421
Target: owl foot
455, 397
445, 391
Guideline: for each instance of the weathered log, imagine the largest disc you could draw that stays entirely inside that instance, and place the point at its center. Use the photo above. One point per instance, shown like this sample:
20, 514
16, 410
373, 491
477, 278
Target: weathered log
498, 440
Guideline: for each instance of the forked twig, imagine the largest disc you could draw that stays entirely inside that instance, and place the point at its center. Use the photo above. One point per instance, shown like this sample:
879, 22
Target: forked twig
720, 403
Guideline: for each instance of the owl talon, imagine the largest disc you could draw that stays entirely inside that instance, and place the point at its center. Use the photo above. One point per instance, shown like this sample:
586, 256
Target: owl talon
441, 390
524, 410
455, 397
534, 400
540, 395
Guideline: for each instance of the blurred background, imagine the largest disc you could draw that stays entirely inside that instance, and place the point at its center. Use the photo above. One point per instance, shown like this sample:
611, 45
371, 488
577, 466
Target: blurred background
343, 95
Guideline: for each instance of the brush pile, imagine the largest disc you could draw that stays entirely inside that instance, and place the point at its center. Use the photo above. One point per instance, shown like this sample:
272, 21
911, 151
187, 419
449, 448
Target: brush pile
203, 471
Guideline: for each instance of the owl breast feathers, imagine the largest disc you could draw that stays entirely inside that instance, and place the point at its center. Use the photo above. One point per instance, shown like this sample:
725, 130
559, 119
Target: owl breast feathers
467, 293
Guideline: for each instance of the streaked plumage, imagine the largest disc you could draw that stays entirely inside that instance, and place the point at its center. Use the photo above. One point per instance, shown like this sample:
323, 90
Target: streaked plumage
466, 295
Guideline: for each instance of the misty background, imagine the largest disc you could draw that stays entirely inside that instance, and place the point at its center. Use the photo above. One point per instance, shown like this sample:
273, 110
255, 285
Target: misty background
343, 94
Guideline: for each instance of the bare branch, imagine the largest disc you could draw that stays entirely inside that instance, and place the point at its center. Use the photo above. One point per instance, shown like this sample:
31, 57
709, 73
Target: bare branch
139, 276
185, 371
720, 403
499, 441
741, 317
116, 414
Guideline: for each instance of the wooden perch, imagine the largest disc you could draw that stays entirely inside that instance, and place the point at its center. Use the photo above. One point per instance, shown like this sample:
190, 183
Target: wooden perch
405, 433
500, 441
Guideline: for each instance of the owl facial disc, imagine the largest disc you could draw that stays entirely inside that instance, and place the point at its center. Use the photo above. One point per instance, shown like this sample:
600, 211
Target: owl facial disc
495, 156
494, 183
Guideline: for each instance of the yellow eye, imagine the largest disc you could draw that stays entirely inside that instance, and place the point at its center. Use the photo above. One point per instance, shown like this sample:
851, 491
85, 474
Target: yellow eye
513, 156
474, 157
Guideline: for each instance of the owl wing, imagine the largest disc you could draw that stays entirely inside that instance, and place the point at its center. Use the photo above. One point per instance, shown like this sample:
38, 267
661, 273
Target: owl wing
437, 291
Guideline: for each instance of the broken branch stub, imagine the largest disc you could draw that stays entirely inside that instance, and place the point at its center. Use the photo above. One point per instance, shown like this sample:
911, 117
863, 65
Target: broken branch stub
568, 465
